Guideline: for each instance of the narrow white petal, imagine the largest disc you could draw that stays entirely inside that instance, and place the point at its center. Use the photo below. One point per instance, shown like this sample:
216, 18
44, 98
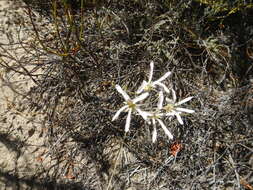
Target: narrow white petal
128, 120
179, 118
170, 101
141, 97
118, 113
141, 88
174, 97
149, 114
163, 86
184, 100
160, 100
167, 132
148, 120
151, 71
185, 110
122, 92
154, 135
166, 75
159, 115
143, 114
153, 121
170, 114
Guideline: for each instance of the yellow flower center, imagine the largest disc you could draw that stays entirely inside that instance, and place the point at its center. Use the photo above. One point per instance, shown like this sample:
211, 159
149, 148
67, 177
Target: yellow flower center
131, 104
148, 87
169, 107
155, 115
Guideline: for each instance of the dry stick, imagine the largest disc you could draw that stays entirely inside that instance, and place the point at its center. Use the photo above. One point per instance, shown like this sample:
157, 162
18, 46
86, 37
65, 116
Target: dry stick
167, 161
54, 9
48, 50
230, 159
81, 28
71, 28
214, 171
9, 67
82, 46
36, 54
25, 73
70, 21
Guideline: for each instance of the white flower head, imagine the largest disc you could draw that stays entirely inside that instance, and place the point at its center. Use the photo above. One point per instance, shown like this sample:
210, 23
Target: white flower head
172, 108
130, 106
149, 85
156, 117
153, 114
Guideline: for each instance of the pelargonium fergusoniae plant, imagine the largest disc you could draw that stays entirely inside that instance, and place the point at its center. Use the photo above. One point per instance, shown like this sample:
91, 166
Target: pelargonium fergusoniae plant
146, 110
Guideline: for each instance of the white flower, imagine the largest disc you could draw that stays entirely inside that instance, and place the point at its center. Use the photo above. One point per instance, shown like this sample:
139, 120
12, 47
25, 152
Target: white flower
147, 86
172, 108
156, 116
130, 106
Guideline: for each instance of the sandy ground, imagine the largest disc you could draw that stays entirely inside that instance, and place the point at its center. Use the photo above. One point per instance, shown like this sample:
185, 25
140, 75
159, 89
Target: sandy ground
25, 160
20, 141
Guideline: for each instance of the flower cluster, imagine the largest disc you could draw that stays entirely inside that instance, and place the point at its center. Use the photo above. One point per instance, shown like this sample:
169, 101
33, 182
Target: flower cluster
171, 108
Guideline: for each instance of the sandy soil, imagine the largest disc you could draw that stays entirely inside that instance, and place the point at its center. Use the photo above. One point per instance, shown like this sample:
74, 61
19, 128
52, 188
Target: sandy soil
25, 160
21, 143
